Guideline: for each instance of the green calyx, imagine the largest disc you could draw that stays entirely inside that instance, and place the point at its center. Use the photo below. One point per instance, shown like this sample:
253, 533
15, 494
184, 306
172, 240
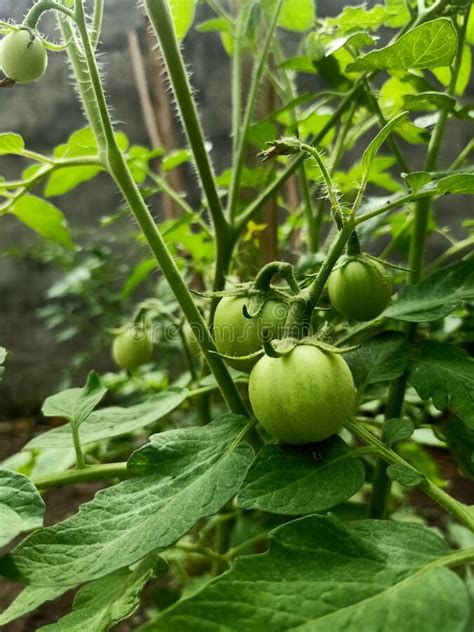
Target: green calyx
279, 348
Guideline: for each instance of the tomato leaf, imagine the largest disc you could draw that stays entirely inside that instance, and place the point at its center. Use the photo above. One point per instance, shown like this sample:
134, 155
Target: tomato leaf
436, 296
297, 481
318, 575
12, 144
113, 421
406, 476
380, 359
182, 476
106, 601
75, 404
395, 430
430, 45
446, 375
182, 12
21, 506
44, 218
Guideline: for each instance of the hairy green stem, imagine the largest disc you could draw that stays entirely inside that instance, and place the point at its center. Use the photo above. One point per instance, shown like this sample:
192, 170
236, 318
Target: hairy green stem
89, 473
374, 104
97, 22
313, 293
248, 114
77, 445
120, 172
34, 14
463, 513
253, 208
160, 17
381, 483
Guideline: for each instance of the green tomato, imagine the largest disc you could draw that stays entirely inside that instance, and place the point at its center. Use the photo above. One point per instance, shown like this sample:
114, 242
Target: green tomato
360, 288
132, 348
304, 396
23, 56
238, 336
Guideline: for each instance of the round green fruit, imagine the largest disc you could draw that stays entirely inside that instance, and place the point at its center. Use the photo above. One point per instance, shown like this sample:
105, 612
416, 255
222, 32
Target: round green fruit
23, 56
132, 348
360, 288
304, 396
238, 336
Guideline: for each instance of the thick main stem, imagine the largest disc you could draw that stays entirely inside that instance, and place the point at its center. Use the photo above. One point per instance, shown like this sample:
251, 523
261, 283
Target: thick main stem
381, 483
120, 172
453, 506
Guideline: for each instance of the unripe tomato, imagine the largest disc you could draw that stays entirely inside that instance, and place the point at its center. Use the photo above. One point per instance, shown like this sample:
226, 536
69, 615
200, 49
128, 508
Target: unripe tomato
132, 348
237, 336
360, 288
304, 396
23, 56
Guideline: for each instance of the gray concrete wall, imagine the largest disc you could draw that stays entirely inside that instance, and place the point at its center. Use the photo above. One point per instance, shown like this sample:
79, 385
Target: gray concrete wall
45, 114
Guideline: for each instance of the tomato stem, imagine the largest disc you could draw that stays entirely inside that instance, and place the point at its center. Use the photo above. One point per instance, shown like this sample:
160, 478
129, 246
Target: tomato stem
381, 484
35, 13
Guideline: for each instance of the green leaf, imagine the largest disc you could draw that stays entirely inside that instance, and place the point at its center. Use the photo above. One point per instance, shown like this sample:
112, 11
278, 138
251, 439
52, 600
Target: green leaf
182, 12
44, 218
139, 274
105, 602
457, 183
66, 179
406, 476
295, 15
395, 430
417, 179
176, 158
461, 443
29, 599
297, 481
444, 74
429, 101
436, 296
429, 45
359, 18
446, 375
321, 575
399, 13
21, 506
380, 359
184, 475
113, 421
221, 25
76, 404
11, 144
377, 142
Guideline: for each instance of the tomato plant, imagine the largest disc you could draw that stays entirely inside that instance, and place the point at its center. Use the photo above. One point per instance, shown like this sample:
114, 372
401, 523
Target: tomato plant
319, 261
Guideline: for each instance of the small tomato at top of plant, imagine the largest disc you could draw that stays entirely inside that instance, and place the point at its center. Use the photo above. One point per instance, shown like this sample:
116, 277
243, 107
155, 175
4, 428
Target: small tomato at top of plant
303, 396
360, 288
239, 336
23, 56
132, 348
